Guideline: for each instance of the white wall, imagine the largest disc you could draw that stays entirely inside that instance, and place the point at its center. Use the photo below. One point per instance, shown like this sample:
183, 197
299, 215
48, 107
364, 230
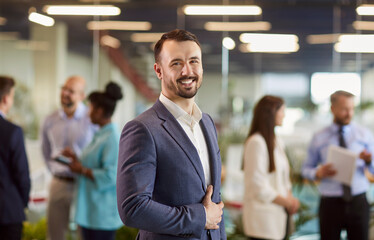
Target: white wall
16, 62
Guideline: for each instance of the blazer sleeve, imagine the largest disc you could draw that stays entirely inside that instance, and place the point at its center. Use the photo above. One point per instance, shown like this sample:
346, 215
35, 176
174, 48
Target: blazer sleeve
256, 164
19, 165
136, 177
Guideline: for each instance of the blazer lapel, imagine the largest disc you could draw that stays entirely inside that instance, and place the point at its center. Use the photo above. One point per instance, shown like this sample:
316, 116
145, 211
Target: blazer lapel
211, 141
176, 131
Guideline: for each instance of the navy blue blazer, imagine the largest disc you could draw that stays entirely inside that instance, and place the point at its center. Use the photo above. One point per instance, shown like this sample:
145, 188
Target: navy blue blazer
160, 178
14, 174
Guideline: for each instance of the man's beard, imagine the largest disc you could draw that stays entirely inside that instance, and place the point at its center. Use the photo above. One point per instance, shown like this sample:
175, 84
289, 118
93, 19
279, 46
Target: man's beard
342, 121
180, 91
67, 104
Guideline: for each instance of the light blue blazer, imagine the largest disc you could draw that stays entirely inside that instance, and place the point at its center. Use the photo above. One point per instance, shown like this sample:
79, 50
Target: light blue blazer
160, 178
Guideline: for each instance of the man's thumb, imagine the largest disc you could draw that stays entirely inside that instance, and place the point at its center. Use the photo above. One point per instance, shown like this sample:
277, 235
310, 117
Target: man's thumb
209, 193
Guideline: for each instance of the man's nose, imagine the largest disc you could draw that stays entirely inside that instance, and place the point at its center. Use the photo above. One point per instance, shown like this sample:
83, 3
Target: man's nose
186, 70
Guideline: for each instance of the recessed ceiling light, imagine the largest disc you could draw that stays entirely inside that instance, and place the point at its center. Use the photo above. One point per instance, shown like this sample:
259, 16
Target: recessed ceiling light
119, 25
146, 37
228, 43
41, 19
355, 43
237, 26
222, 10
363, 25
104, 1
365, 9
323, 38
270, 43
86, 10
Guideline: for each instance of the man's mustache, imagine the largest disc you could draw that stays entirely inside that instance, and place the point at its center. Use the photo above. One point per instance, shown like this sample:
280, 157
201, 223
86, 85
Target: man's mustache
187, 77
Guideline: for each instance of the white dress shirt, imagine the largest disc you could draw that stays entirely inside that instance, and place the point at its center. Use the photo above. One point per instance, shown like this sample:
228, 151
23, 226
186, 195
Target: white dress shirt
191, 126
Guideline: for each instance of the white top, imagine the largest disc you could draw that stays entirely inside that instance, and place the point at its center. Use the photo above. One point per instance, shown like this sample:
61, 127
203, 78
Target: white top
261, 217
191, 126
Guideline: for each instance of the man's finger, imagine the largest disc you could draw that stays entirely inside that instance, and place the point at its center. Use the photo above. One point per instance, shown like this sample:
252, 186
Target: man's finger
209, 192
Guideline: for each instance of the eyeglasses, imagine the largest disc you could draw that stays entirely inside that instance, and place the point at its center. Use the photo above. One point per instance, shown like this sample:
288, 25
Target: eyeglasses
68, 90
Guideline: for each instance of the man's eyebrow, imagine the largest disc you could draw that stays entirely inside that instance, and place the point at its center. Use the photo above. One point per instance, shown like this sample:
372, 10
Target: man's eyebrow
179, 59
176, 59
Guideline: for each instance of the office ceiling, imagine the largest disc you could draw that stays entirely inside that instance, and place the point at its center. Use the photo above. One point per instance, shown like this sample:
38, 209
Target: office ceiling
300, 17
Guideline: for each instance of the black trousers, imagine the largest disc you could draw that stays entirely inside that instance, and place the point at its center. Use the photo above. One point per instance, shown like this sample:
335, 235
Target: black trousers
92, 234
11, 231
336, 214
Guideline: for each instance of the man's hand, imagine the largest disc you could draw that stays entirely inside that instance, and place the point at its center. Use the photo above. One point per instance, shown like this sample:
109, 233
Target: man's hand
213, 211
325, 170
366, 156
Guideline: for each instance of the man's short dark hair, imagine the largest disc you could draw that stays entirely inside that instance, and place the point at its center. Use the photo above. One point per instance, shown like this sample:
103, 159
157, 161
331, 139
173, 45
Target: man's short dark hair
334, 97
6, 84
178, 35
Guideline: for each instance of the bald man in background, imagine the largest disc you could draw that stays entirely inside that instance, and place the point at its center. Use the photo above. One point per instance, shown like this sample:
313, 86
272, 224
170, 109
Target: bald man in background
68, 127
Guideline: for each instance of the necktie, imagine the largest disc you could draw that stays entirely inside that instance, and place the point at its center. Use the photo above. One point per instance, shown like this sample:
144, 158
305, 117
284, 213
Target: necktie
347, 196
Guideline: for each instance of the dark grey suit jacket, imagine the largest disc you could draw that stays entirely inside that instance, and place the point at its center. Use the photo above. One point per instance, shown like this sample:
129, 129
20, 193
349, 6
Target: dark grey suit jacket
160, 179
14, 174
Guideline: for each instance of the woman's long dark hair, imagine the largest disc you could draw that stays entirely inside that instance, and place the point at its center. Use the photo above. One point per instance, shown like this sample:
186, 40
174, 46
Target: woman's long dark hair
263, 122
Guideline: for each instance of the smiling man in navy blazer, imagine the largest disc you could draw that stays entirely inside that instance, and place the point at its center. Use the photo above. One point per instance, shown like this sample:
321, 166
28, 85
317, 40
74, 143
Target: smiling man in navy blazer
14, 170
169, 167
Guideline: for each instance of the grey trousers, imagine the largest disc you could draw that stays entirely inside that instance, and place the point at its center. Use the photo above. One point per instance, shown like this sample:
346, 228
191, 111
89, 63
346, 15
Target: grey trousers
61, 193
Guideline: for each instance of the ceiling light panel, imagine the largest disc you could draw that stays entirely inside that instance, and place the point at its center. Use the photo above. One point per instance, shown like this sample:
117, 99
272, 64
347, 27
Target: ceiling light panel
365, 10
270, 43
146, 37
119, 25
237, 26
85, 10
222, 10
41, 19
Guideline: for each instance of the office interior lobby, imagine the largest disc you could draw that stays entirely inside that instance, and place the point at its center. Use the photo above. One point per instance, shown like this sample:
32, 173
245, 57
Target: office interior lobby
300, 50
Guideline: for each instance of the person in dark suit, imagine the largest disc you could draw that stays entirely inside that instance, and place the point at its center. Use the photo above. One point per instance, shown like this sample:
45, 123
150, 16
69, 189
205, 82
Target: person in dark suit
14, 169
169, 166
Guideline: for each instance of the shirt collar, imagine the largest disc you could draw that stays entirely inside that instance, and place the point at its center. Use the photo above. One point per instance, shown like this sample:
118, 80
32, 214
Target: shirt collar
2, 114
179, 113
79, 112
346, 128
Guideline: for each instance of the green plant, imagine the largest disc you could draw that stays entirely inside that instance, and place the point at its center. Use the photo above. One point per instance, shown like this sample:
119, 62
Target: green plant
303, 215
126, 233
23, 113
364, 105
35, 231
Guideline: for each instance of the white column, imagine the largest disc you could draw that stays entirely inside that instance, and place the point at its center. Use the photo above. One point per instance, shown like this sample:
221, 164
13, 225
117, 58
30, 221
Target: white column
50, 67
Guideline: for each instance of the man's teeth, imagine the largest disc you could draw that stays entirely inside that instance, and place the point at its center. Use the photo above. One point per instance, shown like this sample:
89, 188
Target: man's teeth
188, 81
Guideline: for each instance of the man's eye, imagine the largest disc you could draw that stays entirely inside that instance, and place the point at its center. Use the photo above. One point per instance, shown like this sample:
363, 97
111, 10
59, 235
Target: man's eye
176, 64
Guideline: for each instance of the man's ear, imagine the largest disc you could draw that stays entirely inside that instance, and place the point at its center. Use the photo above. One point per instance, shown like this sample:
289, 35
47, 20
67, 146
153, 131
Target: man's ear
4, 100
157, 69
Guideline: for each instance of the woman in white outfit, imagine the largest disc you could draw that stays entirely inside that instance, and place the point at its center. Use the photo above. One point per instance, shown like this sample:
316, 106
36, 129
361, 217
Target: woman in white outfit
268, 199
